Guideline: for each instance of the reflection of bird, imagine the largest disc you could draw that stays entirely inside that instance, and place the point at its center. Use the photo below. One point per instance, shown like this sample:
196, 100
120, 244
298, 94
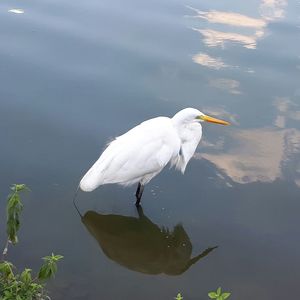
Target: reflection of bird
142, 152
140, 245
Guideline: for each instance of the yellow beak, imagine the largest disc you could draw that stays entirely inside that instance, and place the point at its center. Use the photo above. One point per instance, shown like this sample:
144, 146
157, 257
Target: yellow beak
213, 120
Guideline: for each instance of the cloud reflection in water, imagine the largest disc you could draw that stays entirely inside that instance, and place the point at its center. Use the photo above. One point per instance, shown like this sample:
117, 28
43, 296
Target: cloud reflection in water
229, 18
208, 61
269, 11
261, 154
230, 85
214, 38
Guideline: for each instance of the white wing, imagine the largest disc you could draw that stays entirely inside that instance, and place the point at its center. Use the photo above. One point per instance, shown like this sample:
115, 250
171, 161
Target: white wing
139, 154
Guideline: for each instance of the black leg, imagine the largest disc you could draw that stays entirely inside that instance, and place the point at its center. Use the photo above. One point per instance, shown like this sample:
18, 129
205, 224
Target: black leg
138, 190
138, 194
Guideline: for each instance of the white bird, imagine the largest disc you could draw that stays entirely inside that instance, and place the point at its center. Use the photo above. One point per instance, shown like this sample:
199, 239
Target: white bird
142, 152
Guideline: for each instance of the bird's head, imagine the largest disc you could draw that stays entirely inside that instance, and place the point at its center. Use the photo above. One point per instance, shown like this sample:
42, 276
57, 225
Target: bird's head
191, 115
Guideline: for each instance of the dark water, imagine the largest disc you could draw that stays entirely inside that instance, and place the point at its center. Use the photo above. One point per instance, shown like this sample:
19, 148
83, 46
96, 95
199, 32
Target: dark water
74, 74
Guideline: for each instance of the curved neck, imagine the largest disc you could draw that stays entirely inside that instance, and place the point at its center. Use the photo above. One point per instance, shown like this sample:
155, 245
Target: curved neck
178, 119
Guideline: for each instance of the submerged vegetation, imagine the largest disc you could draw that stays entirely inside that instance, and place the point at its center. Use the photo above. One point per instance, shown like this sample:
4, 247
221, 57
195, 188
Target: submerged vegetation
15, 285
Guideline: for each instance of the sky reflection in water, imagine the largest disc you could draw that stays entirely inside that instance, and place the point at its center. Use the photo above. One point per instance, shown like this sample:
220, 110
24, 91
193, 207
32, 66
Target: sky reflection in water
269, 10
260, 154
257, 154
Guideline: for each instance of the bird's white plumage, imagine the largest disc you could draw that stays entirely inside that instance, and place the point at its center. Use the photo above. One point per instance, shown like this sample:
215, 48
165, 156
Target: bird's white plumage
142, 152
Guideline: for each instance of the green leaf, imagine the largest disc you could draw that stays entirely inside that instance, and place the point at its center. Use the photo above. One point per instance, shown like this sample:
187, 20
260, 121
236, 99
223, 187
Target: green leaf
212, 295
49, 268
19, 187
26, 276
7, 294
44, 272
179, 297
14, 208
225, 295
219, 290
6, 269
57, 257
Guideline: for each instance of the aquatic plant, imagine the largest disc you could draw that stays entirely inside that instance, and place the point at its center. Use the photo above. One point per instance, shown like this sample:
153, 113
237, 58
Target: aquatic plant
178, 297
16, 285
218, 295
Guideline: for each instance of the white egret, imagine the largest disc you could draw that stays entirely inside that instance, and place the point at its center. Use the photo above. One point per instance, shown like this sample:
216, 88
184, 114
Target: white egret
142, 152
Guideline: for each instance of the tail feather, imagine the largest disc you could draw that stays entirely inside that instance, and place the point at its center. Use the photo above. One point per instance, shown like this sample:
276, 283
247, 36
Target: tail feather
95, 176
